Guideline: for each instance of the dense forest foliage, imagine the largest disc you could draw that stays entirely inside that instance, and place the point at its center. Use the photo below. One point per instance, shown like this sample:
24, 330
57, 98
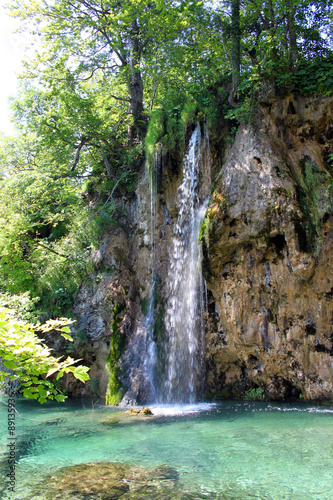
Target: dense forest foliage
107, 81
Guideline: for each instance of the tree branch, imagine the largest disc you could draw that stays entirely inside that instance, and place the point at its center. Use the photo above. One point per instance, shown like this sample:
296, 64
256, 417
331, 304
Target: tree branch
120, 98
53, 251
111, 195
77, 154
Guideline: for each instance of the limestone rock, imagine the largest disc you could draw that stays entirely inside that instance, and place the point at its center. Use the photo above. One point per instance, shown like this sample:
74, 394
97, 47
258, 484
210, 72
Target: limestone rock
268, 259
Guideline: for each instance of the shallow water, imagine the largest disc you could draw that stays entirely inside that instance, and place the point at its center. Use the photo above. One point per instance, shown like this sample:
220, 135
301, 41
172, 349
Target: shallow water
230, 450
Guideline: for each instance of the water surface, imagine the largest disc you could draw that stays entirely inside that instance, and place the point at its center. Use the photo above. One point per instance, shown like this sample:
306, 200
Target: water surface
230, 450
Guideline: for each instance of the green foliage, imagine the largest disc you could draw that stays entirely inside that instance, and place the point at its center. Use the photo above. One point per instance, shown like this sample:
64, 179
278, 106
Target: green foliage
94, 385
315, 77
314, 186
255, 394
23, 306
30, 362
169, 123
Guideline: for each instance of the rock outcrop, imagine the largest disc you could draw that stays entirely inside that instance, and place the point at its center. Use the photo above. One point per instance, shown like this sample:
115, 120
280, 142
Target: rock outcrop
268, 259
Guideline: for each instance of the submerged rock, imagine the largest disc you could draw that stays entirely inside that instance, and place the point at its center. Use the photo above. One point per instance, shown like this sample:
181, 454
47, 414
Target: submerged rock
126, 417
110, 481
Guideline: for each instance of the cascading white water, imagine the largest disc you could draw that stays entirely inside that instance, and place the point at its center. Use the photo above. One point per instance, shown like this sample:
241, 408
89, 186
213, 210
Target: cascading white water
150, 344
184, 309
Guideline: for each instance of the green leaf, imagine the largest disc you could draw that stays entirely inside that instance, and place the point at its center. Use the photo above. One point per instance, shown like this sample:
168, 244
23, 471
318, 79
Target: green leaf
28, 394
65, 329
80, 372
10, 365
67, 337
41, 390
60, 398
51, 371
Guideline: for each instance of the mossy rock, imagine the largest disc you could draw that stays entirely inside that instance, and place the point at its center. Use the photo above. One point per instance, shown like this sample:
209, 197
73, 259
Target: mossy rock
140, 411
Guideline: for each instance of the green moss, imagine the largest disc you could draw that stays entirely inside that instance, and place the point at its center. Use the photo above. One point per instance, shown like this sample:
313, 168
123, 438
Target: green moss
155, 132
168, 124
205, 228
81, 336
115, 389
144, 303
314, 197
217, 204
188, 113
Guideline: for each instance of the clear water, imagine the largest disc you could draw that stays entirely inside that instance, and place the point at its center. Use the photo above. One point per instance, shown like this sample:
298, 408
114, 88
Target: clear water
232, 450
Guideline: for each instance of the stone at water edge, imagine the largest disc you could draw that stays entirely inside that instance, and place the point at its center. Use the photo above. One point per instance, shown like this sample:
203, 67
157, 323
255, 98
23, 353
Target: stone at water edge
140, 411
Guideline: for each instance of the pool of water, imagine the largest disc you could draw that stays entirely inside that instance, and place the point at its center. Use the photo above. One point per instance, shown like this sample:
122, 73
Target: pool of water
230, 450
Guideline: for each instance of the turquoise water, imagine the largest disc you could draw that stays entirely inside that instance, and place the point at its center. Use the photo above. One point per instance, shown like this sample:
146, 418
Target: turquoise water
238, 450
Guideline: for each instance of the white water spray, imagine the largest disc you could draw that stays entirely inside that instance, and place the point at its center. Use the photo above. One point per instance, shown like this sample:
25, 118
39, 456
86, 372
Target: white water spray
184, 310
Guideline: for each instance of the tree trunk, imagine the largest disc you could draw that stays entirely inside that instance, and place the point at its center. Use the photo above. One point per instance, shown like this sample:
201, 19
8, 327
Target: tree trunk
135, 84
235, 50
293, 51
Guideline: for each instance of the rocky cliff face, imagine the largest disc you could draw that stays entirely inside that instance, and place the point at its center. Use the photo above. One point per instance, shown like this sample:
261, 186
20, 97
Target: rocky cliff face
268, 256
267, 239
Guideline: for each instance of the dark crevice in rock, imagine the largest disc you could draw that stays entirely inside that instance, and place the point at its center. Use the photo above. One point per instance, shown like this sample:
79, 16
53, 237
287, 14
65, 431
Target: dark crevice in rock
291, 109
319, 347
279, 243
310, 328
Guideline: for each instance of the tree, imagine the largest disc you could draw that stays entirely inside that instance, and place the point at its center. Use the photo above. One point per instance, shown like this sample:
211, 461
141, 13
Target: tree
235, 51
82, 37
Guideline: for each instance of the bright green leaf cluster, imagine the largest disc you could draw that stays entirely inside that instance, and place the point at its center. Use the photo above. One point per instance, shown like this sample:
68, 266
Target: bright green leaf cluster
31, 363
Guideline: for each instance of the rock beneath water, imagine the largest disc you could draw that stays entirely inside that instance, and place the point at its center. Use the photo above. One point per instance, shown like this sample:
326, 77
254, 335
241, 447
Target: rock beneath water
125, 417
110, 481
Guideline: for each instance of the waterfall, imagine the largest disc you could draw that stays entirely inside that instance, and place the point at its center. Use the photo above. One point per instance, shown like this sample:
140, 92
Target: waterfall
184, 308
149, 326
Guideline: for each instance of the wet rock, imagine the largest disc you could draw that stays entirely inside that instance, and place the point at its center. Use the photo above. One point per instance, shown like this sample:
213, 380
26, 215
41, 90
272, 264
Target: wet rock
140, 411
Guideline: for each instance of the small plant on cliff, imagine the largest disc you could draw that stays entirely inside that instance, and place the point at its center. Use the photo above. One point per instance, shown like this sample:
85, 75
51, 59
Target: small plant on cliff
255, 394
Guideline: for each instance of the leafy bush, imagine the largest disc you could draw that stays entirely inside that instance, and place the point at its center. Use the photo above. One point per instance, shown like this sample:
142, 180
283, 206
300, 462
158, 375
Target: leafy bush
255, 394
30, 362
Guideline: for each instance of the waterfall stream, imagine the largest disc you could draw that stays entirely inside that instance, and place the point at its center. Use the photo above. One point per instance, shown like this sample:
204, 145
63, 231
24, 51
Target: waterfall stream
151, 348
184, 310
173, 361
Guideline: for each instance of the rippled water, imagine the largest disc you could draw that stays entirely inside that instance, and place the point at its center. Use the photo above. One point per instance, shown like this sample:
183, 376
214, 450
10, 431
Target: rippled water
231, 450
